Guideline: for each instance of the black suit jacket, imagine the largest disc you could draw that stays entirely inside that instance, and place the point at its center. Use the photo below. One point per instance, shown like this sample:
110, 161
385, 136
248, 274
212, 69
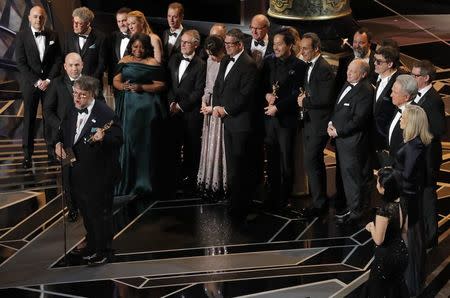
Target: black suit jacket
30, 66
176, 47
341, 75
352, 114
93, 53
274, 70
189, 90
58, 100
236, 93
396, 139
383, 112
97, 166
113, 53
320, 100
433, 105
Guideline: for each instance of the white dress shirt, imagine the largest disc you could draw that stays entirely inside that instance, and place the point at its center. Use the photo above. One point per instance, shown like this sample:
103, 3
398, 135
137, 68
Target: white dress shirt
81, 121
382, 85
183, 65
395, 120
123, 45
347, 90
260, 48
313, 61
40, 43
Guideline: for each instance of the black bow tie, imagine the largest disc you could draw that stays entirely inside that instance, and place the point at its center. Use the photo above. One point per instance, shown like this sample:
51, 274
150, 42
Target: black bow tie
399, 110
174, 34
347, 84
81, 111
309, 64
418, 94
36, 34
71, 82
187, 59
125, 36
232, 59
82, 36
259, 43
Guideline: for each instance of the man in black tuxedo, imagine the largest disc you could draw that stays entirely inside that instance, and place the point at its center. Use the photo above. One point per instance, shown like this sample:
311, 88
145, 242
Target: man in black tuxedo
96, 169
429, 99
58, 101
172, 36
59, 96
118, 42
283, 75
361, 49
349, 129
38, 58
403, 92
386, 66
259, 45
187, 83
234, 91
88, 42
317, 103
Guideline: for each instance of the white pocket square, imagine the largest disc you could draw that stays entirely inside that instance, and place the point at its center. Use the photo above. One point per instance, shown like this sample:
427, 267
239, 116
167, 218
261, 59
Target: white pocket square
51, 42
346, 104
93, 120
92, 46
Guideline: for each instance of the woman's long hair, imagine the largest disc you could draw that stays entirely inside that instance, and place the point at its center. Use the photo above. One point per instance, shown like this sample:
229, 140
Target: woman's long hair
140, 17
416, 125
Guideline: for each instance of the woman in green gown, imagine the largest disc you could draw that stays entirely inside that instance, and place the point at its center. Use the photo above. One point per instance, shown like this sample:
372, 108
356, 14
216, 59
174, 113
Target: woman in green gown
140, 80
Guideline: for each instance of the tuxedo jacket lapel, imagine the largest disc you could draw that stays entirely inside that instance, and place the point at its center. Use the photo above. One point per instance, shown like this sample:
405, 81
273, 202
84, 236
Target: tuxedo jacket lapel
72, 127
33, 44
76, 43
187, 71
117, 45
89, 42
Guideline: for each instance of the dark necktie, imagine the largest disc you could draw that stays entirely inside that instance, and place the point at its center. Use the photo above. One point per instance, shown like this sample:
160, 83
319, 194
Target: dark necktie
81, 111
259, 43
82, 36
174, 34
36, 34
187, 59
232, 59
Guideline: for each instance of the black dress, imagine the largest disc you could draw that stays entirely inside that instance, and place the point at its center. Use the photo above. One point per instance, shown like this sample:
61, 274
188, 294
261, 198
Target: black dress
410, 163
391, 257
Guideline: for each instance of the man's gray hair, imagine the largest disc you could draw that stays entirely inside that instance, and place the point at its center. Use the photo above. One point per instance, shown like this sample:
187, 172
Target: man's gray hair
84, 13
408, 85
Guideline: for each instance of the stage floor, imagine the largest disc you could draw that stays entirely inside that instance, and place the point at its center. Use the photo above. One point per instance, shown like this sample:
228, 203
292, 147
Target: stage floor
189, 247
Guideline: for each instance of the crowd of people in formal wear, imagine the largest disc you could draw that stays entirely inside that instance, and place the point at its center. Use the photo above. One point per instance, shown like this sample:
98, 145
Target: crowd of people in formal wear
203, 117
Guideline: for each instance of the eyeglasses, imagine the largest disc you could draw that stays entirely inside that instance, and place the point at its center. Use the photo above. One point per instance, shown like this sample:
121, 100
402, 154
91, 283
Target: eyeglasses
378, 61
256, 28
415, 75
231, 43
186, 42
82, 94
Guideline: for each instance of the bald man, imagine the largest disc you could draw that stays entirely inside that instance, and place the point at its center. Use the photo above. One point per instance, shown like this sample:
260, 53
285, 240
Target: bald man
259, 45
38, 58
348, 128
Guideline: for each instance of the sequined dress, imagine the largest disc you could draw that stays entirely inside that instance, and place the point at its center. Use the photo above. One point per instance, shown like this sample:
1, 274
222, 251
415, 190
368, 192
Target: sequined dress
211, 178
391, 257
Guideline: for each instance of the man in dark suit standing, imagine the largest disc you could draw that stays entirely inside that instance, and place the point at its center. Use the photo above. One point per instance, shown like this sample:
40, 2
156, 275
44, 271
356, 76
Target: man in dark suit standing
403, 92
188, 75
96, 169
317, 103
260, 44
429, 99
283, 74
38, 57
361, 49
59, 96
89, 43
234, 91
172, 36
386, 66
118, 42
349, 127
58, 101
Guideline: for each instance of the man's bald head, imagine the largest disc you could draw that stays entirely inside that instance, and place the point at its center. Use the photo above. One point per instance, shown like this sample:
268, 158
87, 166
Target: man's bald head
73, 65
37, 18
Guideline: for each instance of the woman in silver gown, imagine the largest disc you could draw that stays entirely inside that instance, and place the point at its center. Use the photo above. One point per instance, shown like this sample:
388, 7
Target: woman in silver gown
211, 178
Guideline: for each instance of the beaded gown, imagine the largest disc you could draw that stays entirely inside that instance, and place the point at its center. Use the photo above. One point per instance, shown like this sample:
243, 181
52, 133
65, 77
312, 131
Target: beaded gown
391, 257
211, 178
